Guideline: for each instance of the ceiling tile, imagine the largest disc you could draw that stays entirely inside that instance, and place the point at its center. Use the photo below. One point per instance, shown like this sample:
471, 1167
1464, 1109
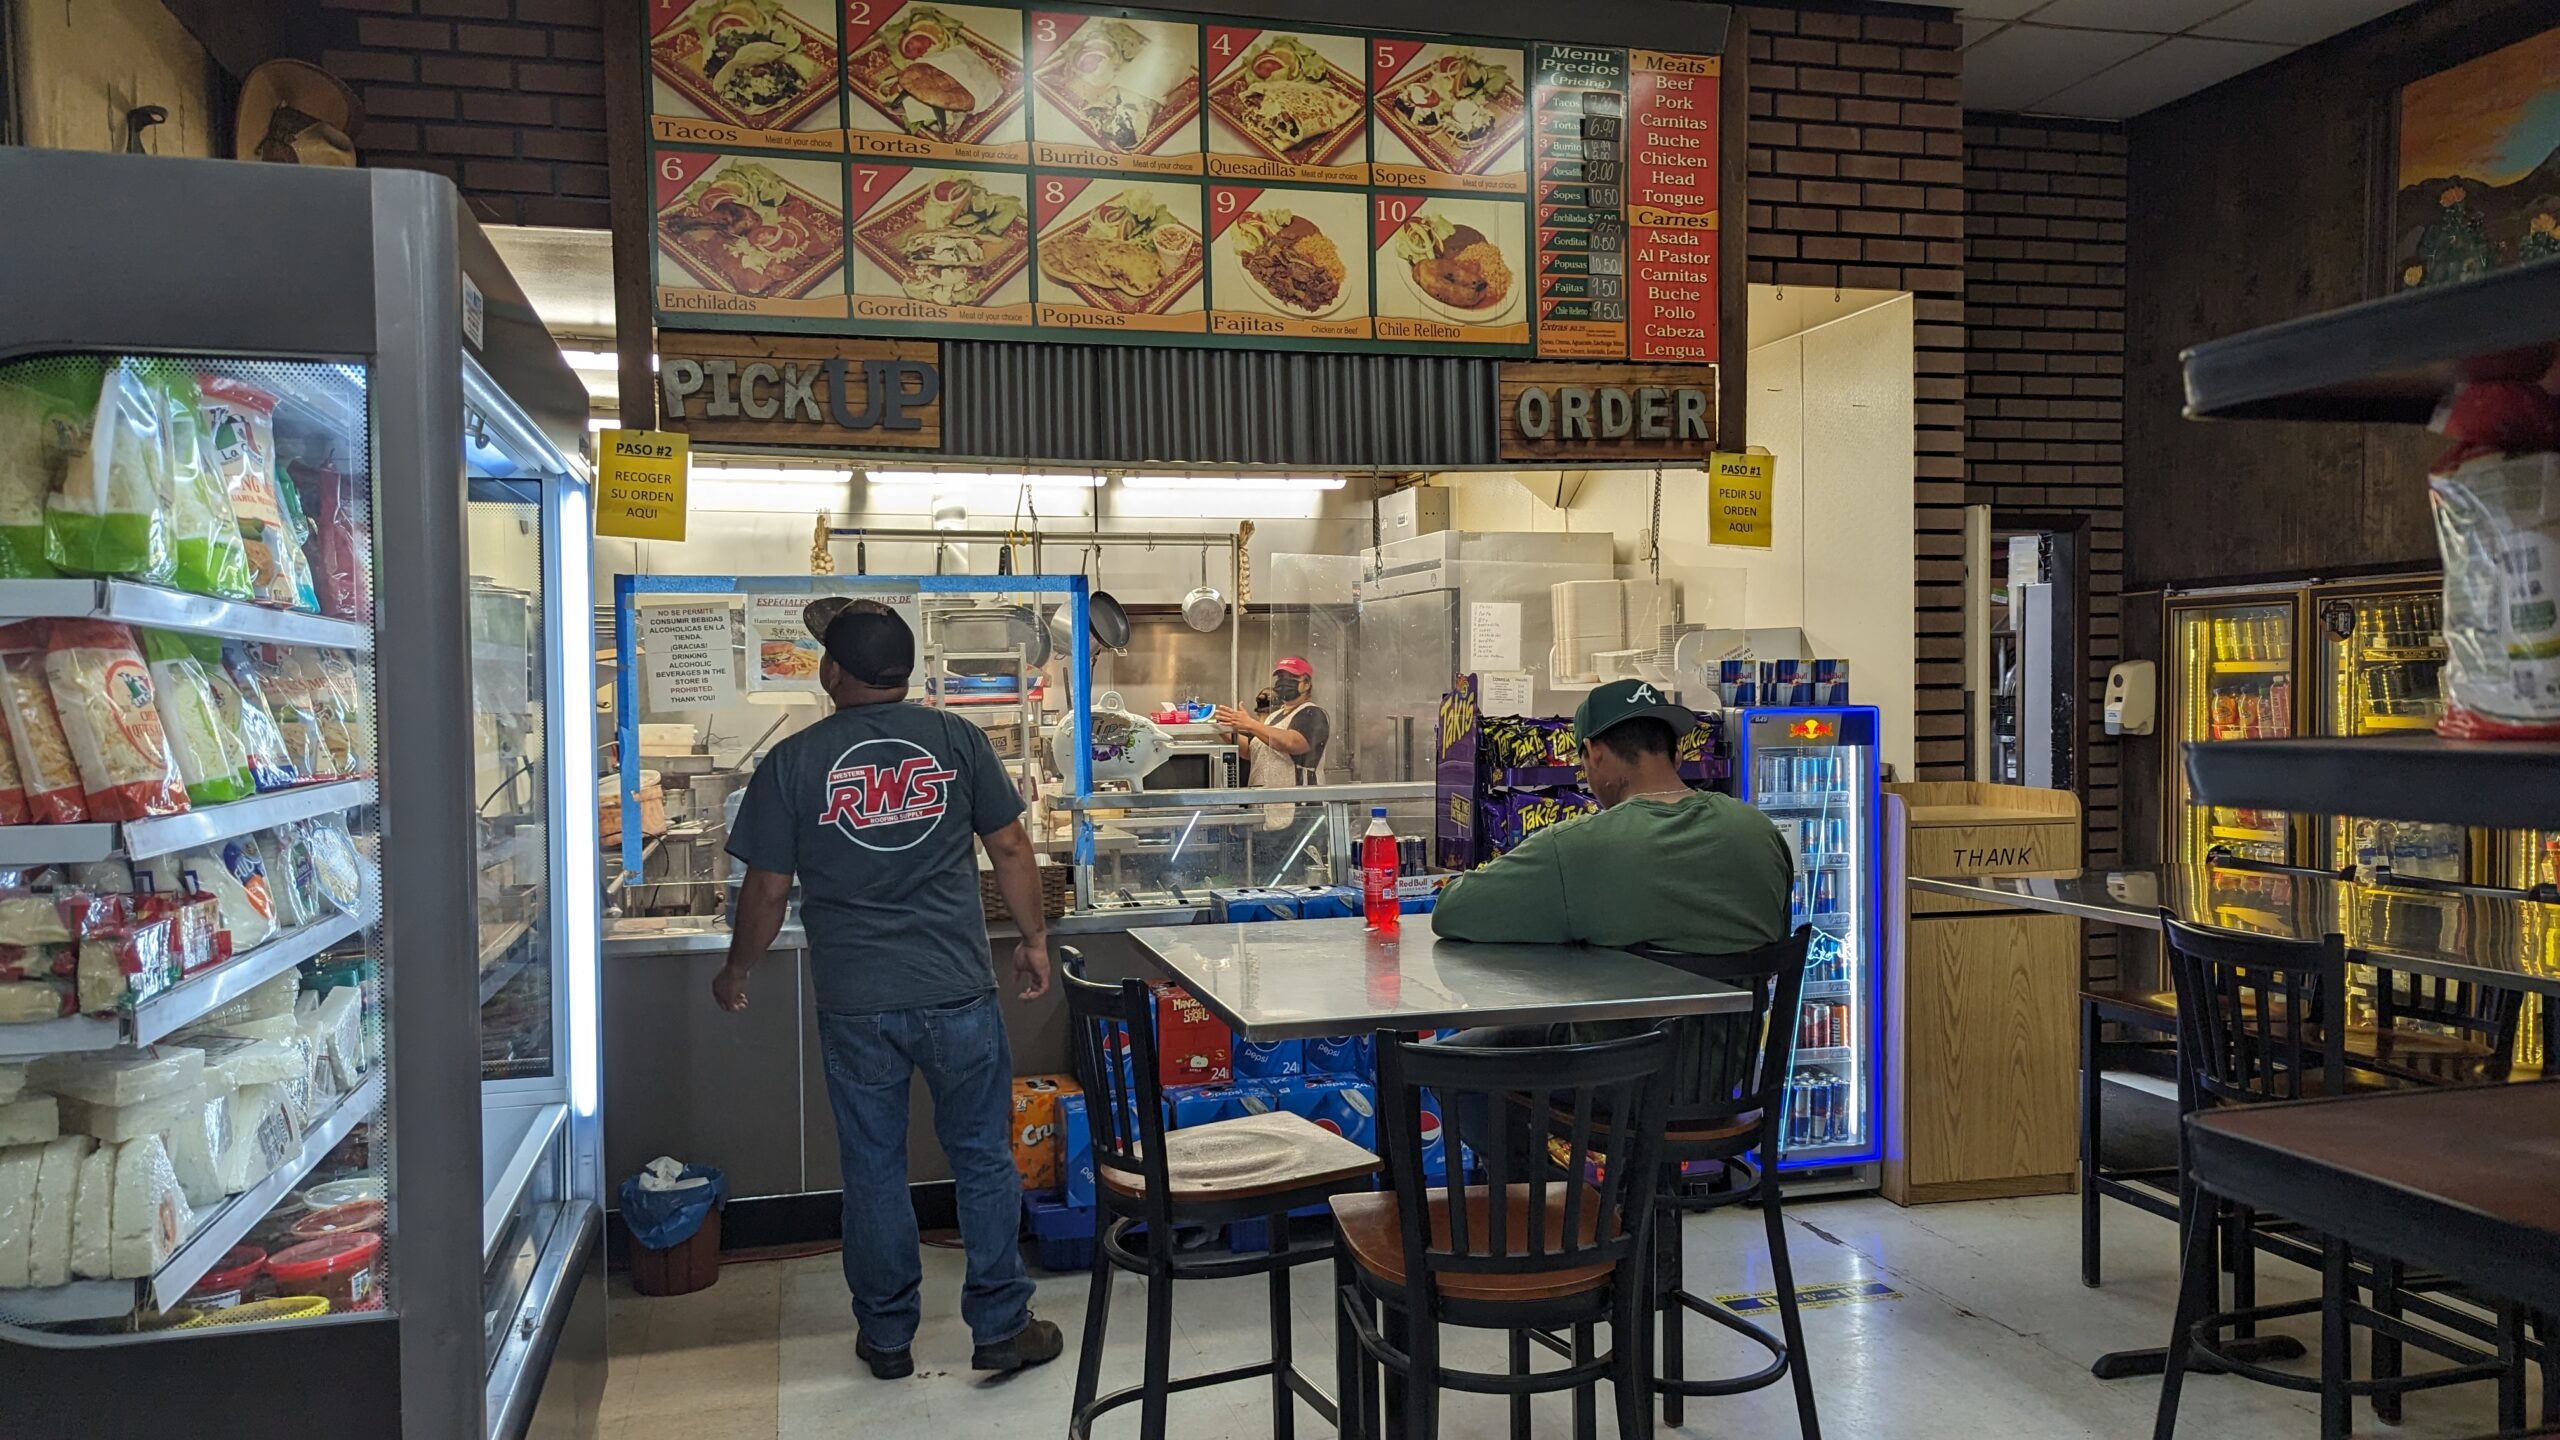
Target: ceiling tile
1997, 9
2161, 17
2023, 64
2175, 67
2295, 22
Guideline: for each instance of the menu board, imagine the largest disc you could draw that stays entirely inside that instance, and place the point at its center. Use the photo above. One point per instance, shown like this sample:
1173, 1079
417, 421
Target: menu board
886, 167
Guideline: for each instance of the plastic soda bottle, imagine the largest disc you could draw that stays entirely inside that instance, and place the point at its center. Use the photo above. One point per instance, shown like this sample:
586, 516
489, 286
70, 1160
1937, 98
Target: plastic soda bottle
1378, 901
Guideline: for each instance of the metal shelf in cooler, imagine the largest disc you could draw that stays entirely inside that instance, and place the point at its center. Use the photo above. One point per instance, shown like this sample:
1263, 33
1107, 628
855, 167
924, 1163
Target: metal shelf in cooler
168, 834
188, 1000
130, 603
1826, 1054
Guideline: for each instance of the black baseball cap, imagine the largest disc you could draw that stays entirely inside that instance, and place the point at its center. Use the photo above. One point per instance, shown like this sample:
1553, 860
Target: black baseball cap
866, 639
1622, 700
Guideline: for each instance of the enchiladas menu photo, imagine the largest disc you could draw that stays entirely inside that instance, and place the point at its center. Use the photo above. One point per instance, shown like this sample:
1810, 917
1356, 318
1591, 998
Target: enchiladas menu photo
1450, 271
749, 235
744, 72
1287, 105
1288, 262
934, 82
1118, 255
1449, 116
940, 246
1112, 93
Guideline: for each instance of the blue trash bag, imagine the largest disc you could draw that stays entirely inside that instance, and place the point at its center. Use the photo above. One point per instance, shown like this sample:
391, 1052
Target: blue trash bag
665, 1219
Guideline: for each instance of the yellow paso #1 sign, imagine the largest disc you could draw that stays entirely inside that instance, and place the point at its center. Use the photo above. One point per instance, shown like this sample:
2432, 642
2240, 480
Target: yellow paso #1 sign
1739, 499
640, 488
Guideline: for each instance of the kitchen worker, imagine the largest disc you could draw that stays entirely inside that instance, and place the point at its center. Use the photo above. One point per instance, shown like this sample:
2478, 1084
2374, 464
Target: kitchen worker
878, 809
1283, 748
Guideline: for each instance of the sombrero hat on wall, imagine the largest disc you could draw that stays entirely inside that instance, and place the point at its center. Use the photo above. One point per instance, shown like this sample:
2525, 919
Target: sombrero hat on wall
295, 113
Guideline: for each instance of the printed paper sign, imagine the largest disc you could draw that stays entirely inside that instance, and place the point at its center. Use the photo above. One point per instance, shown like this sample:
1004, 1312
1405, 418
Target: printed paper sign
686, 661
640, 491
1507, 692
781, 653
1493, 636
1738, 499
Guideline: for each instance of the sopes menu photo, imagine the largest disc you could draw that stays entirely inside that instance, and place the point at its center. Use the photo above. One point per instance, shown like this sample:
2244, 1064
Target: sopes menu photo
935, 81
744, 72
1451, 271
1288, 262
941, 246
1118, 254
750, 235
1115, 94
1450, 117
1287, 105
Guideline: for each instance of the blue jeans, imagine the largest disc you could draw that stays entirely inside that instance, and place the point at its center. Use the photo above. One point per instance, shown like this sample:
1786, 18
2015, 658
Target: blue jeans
967, 1067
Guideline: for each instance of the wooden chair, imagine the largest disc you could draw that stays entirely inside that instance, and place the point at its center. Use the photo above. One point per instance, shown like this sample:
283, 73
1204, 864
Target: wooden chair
1531, 1250
1149, 1180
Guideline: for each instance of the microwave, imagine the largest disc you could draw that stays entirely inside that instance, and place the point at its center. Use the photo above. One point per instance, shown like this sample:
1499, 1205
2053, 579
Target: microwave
1198, 765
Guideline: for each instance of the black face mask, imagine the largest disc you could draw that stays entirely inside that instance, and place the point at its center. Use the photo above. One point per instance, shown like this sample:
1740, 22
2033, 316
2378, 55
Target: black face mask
1284, 687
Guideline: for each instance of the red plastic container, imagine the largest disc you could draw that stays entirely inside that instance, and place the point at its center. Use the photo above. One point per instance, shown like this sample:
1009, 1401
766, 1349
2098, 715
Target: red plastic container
336, 1268
228, 1282
354, 1215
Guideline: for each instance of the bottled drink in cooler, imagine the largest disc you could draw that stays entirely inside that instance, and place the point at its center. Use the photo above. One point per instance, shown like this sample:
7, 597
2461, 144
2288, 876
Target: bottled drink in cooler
1378, 901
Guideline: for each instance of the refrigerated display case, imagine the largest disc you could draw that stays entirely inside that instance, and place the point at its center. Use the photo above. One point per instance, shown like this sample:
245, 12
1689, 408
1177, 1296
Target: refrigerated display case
2381, 667
341, 351
1814, 773
2231, 674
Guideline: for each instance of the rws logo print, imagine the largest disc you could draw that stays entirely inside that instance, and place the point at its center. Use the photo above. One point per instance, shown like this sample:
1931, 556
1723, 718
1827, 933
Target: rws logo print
887, 794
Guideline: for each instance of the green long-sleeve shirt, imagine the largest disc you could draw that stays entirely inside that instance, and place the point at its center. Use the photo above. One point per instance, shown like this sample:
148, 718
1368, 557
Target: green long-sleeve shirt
1705, 875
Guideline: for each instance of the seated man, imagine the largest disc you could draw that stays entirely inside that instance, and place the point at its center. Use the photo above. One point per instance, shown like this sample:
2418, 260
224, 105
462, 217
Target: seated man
1661, 865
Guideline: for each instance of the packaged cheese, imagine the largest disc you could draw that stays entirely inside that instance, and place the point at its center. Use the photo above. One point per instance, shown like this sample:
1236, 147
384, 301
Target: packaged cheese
33, 920
206, 553
93, 1216
46, 410
151, 1215
293, 876
109, 510
212, 760
241, 1061
296, 713
13, 1079
335, 864
30, 1120
341, 547
47, 769
121, 1077
123, 965
244, 713
103, 693
340, 1026
234, 873
13, 791
57, 1192
117, 1123
38, 962
262, 1137
20, 1168
242, 420
196, 1145
30, 1002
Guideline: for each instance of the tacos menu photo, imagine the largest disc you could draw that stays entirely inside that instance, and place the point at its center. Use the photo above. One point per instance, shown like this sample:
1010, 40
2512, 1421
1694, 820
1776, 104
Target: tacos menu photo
744, 72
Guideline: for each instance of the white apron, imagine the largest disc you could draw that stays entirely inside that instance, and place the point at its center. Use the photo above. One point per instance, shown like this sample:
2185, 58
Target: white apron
1272, 768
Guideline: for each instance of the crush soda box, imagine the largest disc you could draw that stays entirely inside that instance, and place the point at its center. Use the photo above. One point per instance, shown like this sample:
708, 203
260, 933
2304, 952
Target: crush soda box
1035, 1128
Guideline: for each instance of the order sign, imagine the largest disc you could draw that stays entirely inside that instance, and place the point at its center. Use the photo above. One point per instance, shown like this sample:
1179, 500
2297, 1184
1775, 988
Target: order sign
1738, 499
640, 494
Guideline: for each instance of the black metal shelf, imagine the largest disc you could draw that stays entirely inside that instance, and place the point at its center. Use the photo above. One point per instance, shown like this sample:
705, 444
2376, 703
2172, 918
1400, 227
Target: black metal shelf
2496, 784
2391, 359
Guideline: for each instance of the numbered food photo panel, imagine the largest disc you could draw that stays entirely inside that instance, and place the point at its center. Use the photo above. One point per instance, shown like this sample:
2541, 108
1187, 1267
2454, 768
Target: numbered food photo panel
745, 72
750, 235
1451, 271
1287, 105
1449, 116
1118, 254
940, 246
1112, 93
1288, 262
935, 82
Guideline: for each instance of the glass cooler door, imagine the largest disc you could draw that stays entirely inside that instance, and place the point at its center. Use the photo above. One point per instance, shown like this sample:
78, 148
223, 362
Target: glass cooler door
2232, 677
1814, 773
2382, 659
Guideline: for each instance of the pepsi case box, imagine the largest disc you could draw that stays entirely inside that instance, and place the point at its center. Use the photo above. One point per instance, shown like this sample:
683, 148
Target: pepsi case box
1327, 902
1343, 1055
1435, 1140
1189, 1105
1348, 1108
1278, 1060
1236, 906
1075, 1151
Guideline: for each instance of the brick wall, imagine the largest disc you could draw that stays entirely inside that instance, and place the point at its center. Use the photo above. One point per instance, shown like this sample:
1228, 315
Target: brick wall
505, 97
2044, 410
1857, 181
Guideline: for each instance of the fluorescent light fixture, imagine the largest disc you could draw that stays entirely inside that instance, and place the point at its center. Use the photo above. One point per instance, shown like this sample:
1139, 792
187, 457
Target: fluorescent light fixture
598, 424
576, 825
598, 359
967, 480
781, 474
1246, 481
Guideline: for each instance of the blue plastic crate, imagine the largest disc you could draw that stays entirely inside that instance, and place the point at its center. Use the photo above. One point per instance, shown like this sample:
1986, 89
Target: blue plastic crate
1251, 1237
1061, 1234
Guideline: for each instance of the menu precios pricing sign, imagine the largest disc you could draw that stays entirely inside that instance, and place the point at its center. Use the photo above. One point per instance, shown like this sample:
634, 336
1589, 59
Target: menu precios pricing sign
1738, 499
640, 490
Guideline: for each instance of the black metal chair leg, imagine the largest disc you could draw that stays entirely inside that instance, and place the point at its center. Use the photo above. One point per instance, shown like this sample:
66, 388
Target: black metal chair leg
1348, 1371
1284, 1400
2549, 1333
2511, 1370
1790, 1316
2240, 1257
2387, 1275
1097, 1322
1151, 1407
1675, 1349
2337, 1352
1395, 1384
1586, 1396
1422, 1386
1631, 1380
1520, 1403
2089, 1149
2196, 1290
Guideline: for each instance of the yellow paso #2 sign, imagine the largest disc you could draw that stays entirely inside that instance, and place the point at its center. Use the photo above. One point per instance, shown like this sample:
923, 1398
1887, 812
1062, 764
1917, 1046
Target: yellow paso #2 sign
1739, 499
640, 486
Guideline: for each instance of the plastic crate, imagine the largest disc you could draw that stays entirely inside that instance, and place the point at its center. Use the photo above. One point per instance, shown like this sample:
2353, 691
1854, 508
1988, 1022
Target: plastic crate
1252, 1237
1061, 1234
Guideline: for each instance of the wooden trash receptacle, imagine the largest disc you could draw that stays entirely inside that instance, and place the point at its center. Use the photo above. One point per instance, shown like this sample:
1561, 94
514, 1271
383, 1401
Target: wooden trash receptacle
680, 1269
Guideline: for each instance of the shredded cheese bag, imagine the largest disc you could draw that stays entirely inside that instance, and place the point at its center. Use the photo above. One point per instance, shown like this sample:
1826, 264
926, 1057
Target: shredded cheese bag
211, 758
241, 421
109, 510
244, 712
111, 715
48, 774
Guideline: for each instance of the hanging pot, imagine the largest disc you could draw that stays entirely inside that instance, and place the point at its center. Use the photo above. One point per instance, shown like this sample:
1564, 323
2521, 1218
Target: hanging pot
1204, 609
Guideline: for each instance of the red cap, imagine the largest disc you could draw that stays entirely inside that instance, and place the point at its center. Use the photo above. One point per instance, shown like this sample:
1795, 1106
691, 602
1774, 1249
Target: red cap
1295, 665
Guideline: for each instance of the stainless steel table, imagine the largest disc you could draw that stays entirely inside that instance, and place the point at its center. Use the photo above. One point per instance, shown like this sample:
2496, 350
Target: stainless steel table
1292, 979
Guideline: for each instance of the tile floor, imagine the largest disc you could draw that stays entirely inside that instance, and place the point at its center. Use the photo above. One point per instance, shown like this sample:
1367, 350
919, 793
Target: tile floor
1992, 1338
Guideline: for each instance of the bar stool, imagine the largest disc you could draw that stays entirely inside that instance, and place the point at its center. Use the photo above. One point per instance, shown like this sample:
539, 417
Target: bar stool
1148, 1180
1529, 1250
1728, 1104
2251, 1010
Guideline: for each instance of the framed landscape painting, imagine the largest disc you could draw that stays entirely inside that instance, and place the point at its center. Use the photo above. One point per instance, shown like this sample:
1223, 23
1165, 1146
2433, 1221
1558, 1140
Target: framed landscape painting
2479, 175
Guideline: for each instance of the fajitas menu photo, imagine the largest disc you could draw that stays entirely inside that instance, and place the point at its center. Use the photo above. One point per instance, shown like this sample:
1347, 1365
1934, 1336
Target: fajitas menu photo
1030, 170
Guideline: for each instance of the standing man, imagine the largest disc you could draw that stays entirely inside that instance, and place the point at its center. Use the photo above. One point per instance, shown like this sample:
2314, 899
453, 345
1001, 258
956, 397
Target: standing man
1284, 748
875, 809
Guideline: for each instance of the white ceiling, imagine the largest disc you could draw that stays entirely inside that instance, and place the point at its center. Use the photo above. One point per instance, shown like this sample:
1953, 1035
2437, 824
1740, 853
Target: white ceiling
2112, 59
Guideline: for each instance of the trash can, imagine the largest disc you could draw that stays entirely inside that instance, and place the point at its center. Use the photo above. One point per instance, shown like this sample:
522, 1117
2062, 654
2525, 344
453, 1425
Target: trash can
675, 1233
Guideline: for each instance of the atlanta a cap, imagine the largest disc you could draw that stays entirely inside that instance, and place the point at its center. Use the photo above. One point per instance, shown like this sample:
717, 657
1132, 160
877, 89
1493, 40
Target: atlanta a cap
1622, 700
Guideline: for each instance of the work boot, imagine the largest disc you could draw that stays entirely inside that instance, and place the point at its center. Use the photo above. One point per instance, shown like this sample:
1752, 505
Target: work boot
1037, 1343
885, 1364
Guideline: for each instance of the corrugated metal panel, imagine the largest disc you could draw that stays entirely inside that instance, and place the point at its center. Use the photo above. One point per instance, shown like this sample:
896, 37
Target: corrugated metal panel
1158, 405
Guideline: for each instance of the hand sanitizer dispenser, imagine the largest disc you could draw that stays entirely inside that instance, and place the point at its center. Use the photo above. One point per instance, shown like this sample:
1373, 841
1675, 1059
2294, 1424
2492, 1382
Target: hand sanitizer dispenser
2133, 697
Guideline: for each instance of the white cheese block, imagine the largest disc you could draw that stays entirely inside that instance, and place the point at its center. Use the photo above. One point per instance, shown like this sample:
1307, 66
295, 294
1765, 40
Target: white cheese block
93, 1215
116, 1124
120, 1077
238, 1060
272, 1027
342, 1025
151, 1215
31, 1120
196, 1144
13, 1079
57, 1190
261, 1137
19, 1169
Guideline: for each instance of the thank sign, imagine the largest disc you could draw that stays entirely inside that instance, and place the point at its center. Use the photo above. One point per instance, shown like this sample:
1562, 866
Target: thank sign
777, 389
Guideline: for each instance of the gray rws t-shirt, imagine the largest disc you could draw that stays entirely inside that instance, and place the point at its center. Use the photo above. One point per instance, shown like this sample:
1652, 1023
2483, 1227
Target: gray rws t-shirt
878, 809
